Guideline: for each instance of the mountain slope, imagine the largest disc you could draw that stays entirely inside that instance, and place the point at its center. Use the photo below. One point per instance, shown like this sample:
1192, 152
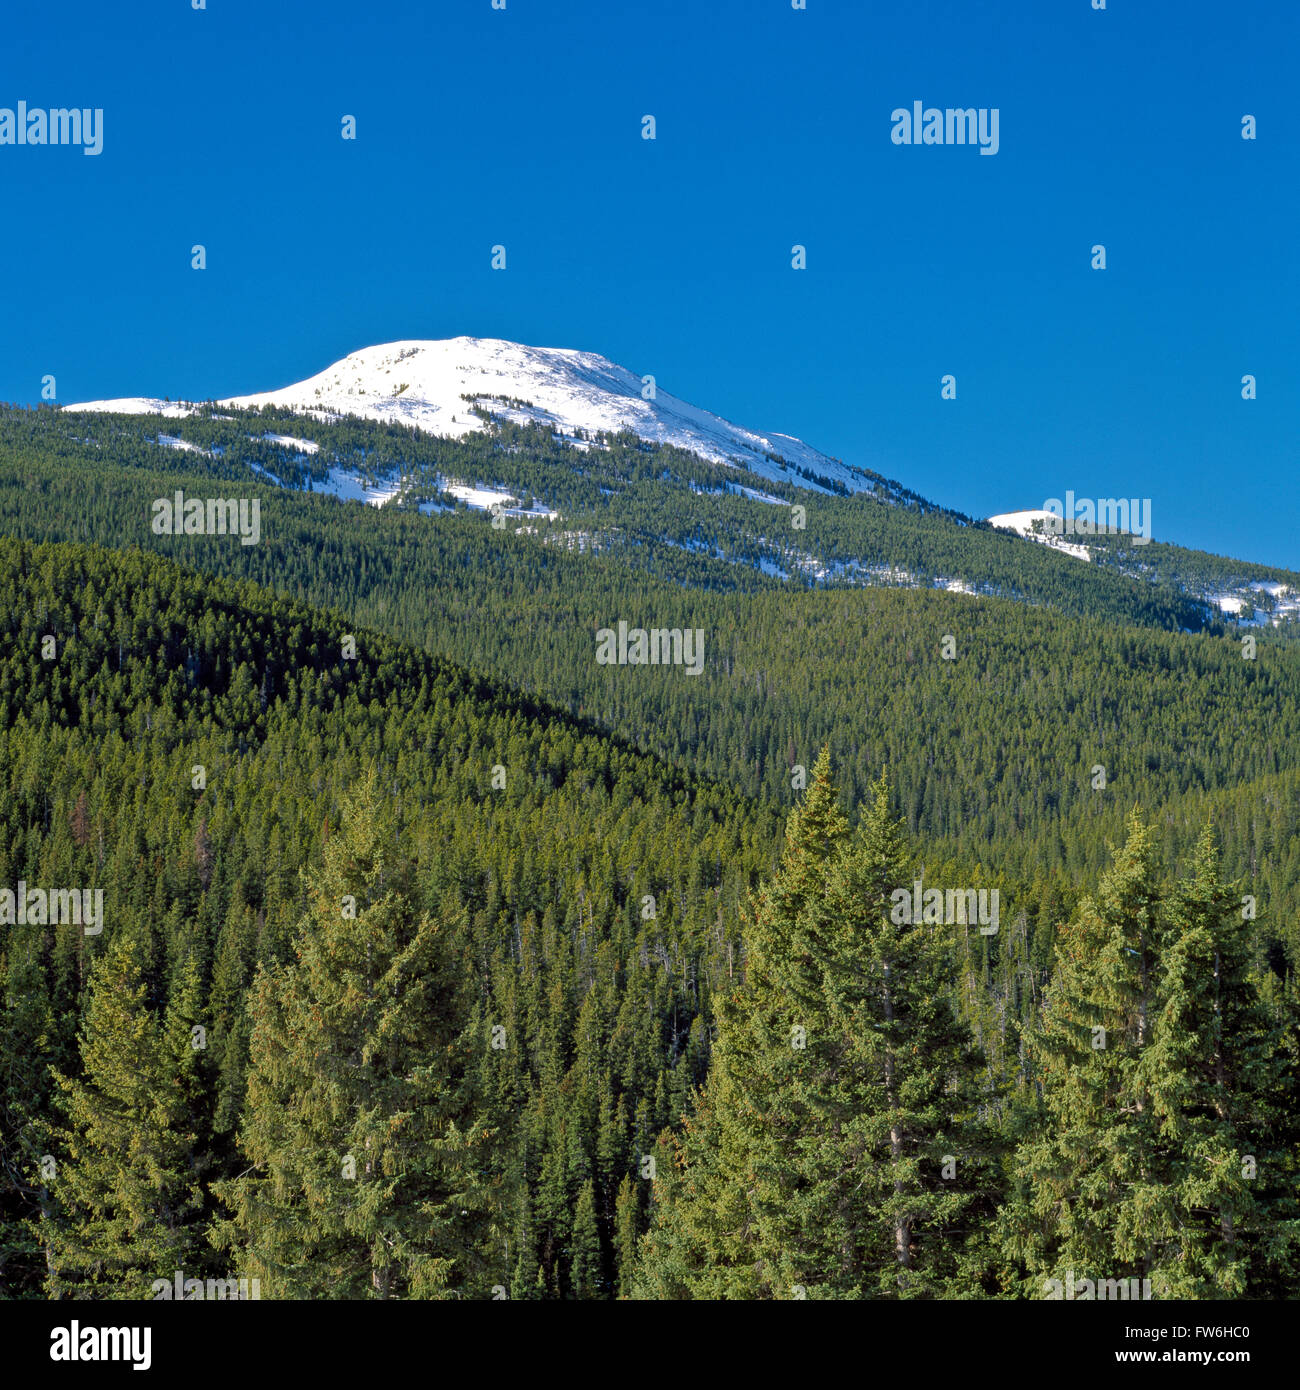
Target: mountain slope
538, 875
1247, 594
486, 423
998, 741
448, 386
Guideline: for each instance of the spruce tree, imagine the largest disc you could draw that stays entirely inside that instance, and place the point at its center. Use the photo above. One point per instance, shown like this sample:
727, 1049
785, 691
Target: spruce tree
836, 1150
126, 1190
1088, 1202
626, 1216
1168, 1154
894, 1169
26, 1037
367, 1158
526, 1267
586, 1279
708, 1195
1221, 1073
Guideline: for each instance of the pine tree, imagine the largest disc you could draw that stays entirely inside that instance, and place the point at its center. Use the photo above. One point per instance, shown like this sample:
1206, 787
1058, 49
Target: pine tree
185, 1057
26, 1037
1167, 1153
626, 1222
586, 1279
1221, 1074
710, 1193
367, 1159
1089, 1202
892, 1169
126, 1190
836, 1150
527, 1269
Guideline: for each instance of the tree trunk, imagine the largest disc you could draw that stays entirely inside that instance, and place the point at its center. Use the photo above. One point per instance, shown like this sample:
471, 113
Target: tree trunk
902, 1227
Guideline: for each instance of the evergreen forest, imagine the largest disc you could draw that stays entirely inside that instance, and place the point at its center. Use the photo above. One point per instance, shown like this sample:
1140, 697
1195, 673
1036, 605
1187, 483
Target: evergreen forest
437, 960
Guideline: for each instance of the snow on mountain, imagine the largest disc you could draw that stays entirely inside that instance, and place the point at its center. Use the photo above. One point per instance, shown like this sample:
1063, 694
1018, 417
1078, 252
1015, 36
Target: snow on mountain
307, 446
1268, 602
1036, 526
171, 441
432, 384
482, 498
139, 405
352, 488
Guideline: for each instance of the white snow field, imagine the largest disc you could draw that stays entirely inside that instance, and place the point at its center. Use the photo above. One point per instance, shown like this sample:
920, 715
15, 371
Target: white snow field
425, 383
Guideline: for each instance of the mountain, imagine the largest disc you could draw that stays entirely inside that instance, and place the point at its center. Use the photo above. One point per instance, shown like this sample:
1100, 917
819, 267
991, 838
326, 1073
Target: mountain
1240, 591
448, 387
563, 445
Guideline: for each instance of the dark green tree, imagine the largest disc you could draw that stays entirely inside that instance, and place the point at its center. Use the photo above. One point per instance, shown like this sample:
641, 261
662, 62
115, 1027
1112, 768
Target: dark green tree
126, 1189
837, 1151
367, 1157
1221, 1074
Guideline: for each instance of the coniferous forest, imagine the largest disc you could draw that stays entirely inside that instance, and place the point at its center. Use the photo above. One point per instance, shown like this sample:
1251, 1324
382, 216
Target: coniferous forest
436, 960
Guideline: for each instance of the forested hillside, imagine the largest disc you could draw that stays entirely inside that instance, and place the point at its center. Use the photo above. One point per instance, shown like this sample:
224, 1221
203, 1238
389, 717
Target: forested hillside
538, 887
661, 509
993, 752
438, 958
387, 947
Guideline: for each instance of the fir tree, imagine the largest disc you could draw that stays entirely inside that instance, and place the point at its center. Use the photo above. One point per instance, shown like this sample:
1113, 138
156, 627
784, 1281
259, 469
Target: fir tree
836, 1151
586, 1279
626, 1223
1221, 1074
27, 1036
126, 1190
1089, 1201
367, 1159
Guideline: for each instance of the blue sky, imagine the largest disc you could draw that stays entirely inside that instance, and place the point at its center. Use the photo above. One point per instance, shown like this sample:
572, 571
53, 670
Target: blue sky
672, 257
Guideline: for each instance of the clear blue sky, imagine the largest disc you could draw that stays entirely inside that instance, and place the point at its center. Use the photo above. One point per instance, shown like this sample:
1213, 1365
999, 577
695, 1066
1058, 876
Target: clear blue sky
523, 127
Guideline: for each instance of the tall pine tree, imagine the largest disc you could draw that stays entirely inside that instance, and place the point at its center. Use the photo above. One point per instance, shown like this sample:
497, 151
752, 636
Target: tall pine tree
1221, 1073
126, 1189
367, 1177
838, 1150
1086, 1185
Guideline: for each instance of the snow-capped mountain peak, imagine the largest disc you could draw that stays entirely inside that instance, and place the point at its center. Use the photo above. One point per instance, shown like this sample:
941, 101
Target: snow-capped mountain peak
432, 384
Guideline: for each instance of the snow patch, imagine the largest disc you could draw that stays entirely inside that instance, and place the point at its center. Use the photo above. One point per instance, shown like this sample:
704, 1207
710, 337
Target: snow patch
351, 487
307, 446
172, 441
1034, 525
138, 405
482, 497
762, 497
